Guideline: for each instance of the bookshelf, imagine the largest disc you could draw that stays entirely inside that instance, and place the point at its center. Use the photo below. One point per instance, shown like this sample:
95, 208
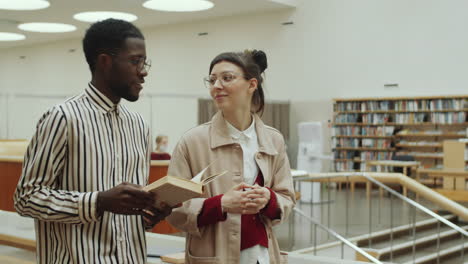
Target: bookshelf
367, 129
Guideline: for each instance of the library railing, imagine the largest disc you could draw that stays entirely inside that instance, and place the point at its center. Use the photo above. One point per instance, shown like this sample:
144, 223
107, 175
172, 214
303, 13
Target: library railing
381, 216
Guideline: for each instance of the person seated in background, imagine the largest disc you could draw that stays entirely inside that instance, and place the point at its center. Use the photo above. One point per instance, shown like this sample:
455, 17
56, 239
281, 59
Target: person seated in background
160, 152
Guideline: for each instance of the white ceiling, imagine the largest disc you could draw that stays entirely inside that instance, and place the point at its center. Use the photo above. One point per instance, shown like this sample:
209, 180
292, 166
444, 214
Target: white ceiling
62, 11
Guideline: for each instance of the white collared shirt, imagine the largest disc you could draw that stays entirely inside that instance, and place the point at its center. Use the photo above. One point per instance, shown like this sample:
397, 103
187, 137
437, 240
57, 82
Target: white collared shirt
248, 141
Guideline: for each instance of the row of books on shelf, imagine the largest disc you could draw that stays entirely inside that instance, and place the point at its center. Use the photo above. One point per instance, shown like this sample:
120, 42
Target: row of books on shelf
411, 118
347, 118
344, 154
356, 143
437, 104
430, 132
362, 166
421, 154
404, 105
448, 118
346, 142
363, 118
376, 143
376, 118
420, 143
362, 131
368, 156
378, 131
351, 166
407, 118
363, 156
363, 106
373, 155
344, 166
386, 168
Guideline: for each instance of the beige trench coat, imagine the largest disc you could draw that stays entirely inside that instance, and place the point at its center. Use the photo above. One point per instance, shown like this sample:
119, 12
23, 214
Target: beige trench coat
220, 243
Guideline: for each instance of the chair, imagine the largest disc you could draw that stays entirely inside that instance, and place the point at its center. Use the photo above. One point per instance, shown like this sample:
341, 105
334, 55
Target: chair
402, 158
400, 169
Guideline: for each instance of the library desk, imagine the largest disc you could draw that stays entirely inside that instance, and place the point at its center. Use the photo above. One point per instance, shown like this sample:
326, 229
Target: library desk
405, 165
10, 173
454, 182
380, 164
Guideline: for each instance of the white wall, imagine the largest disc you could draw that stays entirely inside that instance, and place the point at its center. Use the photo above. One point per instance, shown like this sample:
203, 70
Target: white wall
168, 114
336, 48
19, 114
422, 45
24, 111
3, 116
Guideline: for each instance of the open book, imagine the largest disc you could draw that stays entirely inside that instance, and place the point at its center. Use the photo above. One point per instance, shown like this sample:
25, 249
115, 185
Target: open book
173, 190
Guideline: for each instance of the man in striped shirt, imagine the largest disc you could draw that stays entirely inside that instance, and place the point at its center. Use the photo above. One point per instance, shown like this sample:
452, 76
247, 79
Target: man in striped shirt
86, 163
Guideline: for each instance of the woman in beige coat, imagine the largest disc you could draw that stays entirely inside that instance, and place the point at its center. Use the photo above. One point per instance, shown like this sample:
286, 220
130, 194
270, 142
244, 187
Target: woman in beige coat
233, 222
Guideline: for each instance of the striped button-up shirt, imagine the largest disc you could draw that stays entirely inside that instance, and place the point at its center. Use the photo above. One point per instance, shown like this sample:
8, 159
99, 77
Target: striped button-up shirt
85, 145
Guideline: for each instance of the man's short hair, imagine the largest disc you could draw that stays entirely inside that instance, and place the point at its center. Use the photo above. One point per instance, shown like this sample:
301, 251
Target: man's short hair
107, 36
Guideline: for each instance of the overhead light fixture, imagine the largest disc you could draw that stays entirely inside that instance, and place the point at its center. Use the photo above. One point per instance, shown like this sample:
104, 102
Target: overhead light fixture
47, 27
179, 5
95, 16
23, 4
7, 36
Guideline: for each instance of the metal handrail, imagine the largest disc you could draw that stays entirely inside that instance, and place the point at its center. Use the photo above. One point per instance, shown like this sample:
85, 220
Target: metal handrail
329, 175
369, 178
417, 205
338, 236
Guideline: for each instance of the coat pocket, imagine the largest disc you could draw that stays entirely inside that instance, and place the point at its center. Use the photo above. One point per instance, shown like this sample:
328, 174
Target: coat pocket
202, 260
203, 252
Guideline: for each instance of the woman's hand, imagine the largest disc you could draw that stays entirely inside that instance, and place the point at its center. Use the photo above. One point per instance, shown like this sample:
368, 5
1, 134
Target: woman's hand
234, 200
257, 198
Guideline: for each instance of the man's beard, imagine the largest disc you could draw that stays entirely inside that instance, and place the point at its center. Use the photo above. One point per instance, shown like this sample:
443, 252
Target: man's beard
123, 91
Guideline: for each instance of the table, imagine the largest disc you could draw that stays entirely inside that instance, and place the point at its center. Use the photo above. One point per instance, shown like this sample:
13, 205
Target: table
394, 163
10, 173
379, 164
453, 182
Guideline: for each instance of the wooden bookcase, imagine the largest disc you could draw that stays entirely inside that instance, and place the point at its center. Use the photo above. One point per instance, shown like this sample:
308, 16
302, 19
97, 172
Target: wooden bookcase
379, 128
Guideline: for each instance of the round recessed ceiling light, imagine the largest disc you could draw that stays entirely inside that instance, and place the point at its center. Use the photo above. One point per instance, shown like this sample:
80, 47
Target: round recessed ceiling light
178, 6
23, 4
6, 36
102, 15
47, 27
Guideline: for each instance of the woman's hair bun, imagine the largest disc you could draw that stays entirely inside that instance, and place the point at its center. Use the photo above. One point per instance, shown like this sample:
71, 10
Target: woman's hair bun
260, 59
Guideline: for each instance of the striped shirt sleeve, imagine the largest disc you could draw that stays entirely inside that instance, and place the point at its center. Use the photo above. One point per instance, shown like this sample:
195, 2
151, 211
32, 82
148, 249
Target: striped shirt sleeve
36, 194
149, 148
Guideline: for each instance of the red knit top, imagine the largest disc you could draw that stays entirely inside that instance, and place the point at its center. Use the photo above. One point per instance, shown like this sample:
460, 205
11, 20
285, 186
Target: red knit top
253, 231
